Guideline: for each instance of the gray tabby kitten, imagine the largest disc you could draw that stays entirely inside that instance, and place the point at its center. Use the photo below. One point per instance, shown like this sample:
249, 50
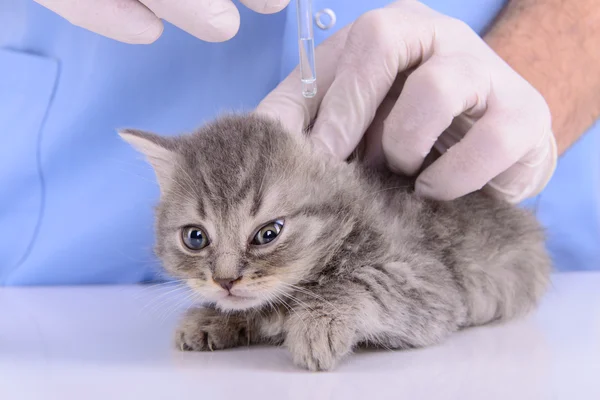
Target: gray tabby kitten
287, 246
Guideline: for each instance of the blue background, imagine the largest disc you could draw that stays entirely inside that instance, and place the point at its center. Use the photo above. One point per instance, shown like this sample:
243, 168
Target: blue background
76, 202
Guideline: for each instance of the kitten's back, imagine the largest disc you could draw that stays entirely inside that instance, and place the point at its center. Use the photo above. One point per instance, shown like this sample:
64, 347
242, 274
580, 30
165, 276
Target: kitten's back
496, 250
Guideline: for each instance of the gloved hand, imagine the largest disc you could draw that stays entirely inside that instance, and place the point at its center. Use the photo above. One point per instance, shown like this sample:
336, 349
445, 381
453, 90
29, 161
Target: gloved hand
397, 78
133, 21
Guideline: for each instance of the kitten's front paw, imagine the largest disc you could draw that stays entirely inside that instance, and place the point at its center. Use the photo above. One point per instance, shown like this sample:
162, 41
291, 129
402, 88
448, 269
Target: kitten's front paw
318, 342
204, 329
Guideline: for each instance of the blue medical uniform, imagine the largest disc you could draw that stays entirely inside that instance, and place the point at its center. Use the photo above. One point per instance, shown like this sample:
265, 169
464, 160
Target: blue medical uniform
76, 202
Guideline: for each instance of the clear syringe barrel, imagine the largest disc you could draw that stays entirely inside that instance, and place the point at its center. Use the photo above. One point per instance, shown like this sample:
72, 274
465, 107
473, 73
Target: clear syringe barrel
306, 46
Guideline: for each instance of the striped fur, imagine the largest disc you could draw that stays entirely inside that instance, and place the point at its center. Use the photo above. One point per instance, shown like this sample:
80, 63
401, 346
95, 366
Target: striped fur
361, 259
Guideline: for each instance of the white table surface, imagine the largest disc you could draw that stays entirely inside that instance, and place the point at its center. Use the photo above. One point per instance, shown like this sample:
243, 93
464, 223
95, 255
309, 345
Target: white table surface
114, 342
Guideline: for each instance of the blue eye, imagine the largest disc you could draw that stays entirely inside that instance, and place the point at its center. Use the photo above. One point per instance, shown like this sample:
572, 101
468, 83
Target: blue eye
268, 233
194, 238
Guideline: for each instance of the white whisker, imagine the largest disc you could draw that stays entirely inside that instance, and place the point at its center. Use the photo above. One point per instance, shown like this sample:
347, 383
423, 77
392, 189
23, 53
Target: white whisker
290, 308
310, 293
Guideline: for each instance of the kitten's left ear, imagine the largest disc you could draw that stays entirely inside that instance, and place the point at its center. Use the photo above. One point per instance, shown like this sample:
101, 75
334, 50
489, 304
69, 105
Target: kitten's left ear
159, 151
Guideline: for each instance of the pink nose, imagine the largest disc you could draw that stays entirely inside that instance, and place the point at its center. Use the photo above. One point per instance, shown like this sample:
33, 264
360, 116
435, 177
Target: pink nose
226, 283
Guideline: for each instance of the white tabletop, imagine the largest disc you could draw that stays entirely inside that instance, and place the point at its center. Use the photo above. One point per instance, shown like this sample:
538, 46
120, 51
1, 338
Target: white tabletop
114, 342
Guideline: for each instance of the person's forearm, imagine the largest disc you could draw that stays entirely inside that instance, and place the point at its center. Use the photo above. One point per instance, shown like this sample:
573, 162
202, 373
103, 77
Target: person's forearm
555, 45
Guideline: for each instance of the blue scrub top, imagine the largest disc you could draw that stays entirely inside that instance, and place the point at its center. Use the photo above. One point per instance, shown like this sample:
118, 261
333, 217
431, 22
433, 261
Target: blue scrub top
76, 202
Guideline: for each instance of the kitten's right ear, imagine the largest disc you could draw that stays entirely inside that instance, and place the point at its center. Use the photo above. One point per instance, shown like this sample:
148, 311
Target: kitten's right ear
159, 151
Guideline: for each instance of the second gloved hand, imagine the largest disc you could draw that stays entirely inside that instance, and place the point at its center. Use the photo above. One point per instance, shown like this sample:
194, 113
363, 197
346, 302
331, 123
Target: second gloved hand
405, 79
139, 21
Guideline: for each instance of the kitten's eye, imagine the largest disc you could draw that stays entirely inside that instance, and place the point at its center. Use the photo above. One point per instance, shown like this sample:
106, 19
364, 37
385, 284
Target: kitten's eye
268, 233
194, 238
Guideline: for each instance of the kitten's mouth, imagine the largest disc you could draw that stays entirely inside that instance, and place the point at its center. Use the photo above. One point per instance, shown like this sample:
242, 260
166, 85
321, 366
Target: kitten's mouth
235, 296
237, 302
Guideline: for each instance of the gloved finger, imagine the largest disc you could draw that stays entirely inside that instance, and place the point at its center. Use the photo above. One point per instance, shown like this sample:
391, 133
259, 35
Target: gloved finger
127, 21
286, 102
434, 94
377, 49
529, 176
493, 144
373, 149
208, 20
265, 6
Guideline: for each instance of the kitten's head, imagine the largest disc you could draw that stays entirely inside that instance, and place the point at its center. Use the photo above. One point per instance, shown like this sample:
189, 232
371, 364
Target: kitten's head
247, 209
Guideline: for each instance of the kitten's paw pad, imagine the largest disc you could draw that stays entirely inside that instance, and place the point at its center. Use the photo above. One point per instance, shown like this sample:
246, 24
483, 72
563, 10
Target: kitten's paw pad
318, 343
206, 330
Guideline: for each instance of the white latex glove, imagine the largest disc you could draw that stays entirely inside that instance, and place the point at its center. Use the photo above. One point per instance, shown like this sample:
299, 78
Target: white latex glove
133, 21
399, 76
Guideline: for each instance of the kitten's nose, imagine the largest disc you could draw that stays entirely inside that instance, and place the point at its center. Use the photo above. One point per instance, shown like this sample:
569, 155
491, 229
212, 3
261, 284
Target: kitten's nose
226, 283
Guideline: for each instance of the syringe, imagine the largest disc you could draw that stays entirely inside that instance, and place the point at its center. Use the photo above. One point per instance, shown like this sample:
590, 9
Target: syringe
306, 45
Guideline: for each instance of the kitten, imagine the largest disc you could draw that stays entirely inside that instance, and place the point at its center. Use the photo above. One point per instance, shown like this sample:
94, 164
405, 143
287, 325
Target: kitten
288, 247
